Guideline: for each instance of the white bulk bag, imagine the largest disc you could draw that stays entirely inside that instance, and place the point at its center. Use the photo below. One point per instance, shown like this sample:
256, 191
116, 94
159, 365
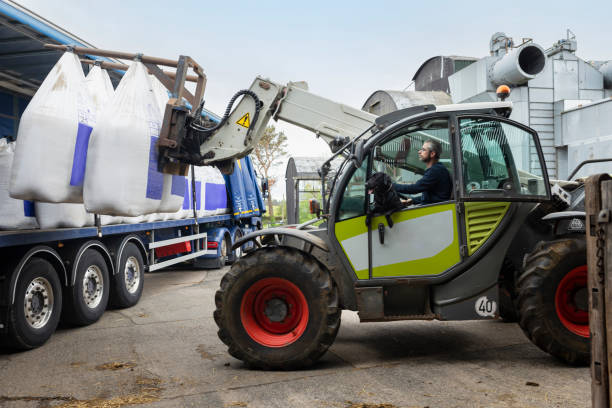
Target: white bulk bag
201, 175
186, 209
173, 193
14, 214
100, 88
110, 220
215, 191
121, 176
52, 139
161, 93
63, 215
133, 220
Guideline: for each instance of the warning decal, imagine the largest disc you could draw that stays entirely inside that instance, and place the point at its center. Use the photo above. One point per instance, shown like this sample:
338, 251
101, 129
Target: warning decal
245, 120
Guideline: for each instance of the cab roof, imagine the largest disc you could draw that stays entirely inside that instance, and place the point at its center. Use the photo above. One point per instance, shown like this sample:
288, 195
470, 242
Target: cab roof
493, 108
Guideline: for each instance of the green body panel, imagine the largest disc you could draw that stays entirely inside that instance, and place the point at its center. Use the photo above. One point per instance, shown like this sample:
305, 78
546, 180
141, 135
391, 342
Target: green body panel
433, 265
481, 220
348, 229
436, 264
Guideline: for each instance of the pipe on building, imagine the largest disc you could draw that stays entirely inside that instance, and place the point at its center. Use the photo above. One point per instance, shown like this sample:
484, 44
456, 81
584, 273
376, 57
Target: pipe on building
519, 65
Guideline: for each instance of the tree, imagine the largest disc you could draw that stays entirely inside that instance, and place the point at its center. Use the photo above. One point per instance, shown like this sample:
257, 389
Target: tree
266, 155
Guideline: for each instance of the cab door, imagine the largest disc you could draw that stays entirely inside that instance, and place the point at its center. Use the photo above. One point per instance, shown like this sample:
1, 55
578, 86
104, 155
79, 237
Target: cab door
424, 239
501, 163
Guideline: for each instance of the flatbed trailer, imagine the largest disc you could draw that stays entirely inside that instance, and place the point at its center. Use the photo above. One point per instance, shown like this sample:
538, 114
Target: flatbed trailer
74, 273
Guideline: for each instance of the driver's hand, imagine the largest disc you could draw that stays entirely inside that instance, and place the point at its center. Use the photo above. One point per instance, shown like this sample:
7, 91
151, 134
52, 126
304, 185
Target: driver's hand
406, 201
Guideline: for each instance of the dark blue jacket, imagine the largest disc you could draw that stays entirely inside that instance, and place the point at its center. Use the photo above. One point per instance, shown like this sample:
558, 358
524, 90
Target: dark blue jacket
436, 186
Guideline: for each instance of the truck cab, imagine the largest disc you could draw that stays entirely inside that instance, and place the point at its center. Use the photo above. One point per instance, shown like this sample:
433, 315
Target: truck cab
498, 175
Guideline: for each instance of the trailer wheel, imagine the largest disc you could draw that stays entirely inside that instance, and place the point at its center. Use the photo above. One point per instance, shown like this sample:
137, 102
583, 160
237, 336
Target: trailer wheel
236, 253
38, 303
277, 308
553, 300
128, 282
226, 244
86, 301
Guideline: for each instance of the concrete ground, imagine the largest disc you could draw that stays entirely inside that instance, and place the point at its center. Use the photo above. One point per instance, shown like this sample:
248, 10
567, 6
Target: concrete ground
164, 352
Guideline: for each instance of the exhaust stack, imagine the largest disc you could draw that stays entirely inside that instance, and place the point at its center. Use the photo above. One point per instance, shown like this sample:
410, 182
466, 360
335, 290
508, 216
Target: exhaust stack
519, 65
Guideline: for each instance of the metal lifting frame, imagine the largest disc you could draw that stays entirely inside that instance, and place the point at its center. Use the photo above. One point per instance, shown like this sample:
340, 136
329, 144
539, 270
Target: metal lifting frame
176, 86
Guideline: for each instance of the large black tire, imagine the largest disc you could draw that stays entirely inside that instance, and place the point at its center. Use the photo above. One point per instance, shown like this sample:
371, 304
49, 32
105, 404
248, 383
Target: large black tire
507, 293
40, 292
540, 290
86, 301
128, 282
277, 308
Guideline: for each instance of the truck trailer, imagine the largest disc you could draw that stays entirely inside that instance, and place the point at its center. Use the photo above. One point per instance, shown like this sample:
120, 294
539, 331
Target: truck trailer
72, 274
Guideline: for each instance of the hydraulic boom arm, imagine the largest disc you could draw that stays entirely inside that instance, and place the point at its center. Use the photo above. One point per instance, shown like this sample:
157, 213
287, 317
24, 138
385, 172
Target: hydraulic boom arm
185, 139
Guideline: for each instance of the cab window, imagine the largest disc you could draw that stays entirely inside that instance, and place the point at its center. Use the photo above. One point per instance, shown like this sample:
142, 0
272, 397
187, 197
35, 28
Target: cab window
499, 158
399, 158
353, 198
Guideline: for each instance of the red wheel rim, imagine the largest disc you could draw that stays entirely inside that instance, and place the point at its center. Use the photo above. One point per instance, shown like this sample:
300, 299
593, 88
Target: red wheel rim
574, 318
274, 312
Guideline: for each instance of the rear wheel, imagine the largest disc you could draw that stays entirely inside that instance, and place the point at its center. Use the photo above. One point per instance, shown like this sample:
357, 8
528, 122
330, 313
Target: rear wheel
129, 279
38, 302
277, 308
553, 300
87, 299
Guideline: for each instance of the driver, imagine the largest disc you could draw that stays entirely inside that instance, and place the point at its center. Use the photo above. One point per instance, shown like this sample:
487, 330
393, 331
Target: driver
436, 184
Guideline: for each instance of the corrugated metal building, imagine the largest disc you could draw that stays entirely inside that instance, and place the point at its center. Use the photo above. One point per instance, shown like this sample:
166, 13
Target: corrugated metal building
565, 82
433, 74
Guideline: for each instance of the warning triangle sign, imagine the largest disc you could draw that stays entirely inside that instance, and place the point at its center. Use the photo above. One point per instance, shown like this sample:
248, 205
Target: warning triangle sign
245, 120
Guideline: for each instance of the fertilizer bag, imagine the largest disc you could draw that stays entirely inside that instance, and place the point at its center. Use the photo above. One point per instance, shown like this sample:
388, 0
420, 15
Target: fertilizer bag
14, 214
121, 176
101, 92
52, 139
99, 87
174, 185
63, 215
214, 191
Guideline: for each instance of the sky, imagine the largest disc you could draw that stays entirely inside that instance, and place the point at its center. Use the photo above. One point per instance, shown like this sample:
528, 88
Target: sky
344, 50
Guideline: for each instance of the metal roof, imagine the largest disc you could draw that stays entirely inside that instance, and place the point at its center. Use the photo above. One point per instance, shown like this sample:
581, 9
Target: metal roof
305, 168
452, 57
24, 62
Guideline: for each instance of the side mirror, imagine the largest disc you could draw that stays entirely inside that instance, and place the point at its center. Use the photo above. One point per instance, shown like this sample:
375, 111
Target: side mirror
315, 207
357, 155
265, 188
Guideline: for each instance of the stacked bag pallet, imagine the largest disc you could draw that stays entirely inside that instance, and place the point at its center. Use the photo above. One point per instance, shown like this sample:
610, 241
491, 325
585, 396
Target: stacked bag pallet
83, 148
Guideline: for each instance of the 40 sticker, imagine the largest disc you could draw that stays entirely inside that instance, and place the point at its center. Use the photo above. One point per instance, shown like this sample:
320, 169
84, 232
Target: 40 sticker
485, 307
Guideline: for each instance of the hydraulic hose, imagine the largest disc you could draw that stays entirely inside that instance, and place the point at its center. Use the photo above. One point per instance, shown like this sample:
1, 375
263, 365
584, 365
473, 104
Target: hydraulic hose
205, 132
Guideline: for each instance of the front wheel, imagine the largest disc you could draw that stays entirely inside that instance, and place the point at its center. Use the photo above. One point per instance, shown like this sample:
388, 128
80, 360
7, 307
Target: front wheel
277, 308
553, 300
